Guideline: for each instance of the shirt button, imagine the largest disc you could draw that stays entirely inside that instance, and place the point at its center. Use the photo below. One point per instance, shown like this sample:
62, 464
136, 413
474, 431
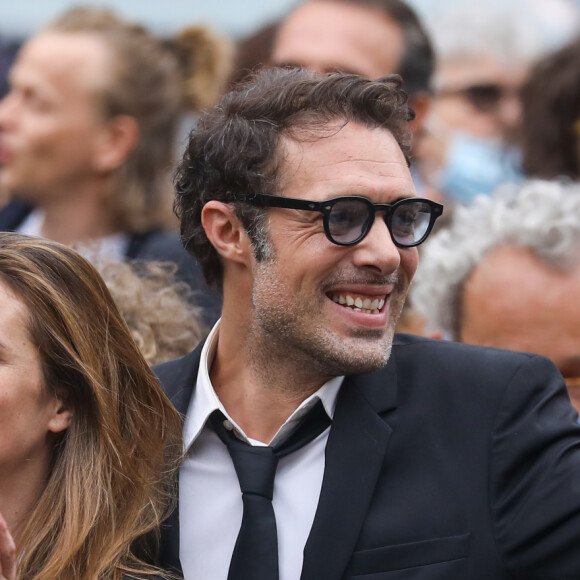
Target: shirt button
228, 425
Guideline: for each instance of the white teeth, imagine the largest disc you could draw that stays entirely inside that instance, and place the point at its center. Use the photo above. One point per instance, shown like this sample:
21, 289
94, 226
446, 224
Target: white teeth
368, 305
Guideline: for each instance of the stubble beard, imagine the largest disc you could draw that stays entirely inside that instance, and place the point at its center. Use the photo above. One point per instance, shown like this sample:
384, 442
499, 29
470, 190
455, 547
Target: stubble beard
299, 335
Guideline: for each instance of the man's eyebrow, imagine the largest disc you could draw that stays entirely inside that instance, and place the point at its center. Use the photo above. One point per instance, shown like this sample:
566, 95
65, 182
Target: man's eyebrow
402, 196
394, 200
397, 197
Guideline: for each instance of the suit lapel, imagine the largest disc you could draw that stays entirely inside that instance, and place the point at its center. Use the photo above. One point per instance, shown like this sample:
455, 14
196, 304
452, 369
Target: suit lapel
178, 378
355, 453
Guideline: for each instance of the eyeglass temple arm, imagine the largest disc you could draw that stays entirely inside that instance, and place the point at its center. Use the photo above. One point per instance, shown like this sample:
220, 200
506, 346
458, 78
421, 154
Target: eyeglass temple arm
267, 200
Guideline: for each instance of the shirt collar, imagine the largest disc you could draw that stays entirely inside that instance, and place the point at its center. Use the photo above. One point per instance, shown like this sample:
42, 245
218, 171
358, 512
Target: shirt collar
205, 400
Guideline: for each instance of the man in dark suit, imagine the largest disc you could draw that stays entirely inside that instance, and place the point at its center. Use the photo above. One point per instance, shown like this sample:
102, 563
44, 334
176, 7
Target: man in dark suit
431, 460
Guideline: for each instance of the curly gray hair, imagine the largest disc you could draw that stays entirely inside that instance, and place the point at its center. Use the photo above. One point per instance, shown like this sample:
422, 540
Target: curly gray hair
543, 216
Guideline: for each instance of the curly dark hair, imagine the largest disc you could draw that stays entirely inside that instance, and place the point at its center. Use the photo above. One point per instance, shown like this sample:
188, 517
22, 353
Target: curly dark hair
550, 113
233, 149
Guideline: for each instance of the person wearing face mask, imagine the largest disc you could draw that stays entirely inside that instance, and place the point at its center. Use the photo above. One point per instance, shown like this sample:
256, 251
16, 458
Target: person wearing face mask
483, 57
471, 164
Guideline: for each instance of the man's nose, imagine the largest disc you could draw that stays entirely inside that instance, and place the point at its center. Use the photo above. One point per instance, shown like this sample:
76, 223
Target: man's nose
377, 251
509, 112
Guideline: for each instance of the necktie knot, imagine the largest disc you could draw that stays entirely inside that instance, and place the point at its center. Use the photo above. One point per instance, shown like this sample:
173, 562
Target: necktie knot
255, 555
255, 468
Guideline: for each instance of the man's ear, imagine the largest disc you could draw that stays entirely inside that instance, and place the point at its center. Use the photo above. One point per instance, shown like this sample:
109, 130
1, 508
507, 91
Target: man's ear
225, 232
61, 415
117, 140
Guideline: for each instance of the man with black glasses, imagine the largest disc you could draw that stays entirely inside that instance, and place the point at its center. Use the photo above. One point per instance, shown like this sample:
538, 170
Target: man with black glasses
318, 445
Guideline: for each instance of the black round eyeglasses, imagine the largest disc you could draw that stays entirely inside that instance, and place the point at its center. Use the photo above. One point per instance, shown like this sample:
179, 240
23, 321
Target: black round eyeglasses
347, 220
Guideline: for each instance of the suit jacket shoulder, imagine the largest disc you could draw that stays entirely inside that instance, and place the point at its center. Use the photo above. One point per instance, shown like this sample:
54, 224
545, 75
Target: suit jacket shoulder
178, 378
482, 449
165, 246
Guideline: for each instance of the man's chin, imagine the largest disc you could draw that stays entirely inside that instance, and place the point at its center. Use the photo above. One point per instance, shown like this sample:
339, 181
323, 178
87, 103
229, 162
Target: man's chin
368, 364
356, 356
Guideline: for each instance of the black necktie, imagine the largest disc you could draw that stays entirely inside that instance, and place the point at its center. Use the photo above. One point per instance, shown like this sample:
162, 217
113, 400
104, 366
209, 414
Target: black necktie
255, 555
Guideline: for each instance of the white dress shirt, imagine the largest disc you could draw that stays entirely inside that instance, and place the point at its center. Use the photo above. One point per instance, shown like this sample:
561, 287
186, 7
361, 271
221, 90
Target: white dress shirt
210, 500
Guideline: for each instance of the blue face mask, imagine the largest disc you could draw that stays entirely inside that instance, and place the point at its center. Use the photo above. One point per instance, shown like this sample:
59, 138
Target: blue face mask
476, 166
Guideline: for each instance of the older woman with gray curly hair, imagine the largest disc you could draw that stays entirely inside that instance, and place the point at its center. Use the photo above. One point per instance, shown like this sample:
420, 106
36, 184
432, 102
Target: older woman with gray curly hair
507, 274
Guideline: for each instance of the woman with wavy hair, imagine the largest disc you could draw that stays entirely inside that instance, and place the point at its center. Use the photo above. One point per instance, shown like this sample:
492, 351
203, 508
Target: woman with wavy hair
88, 441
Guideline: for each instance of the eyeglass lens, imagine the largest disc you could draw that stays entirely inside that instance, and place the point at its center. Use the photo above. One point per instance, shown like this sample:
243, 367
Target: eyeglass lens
485, 98
350, 220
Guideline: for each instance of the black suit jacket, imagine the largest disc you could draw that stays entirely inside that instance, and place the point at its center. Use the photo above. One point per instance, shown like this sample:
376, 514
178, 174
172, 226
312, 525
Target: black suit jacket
151, 245
451, 463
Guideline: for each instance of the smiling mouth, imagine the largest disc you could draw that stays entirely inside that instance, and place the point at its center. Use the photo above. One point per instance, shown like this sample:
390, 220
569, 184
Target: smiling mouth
359, 303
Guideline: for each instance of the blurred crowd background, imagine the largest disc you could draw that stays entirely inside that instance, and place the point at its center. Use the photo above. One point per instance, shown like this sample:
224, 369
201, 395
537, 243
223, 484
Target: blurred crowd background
496, 91
470, 136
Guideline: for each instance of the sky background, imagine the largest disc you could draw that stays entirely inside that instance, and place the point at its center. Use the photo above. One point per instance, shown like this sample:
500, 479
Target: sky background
20, 18
234, 17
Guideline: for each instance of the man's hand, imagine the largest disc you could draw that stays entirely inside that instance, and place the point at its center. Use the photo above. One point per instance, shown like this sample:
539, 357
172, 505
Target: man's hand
7, 553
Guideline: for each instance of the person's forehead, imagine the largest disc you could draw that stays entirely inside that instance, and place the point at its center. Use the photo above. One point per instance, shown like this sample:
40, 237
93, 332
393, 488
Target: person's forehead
64, 60
350, 157
14, 313
326, 35
517, 301
463, 71
509, 264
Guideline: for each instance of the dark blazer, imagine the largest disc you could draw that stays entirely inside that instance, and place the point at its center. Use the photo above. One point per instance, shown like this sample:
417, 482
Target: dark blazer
151, 245
453, 462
